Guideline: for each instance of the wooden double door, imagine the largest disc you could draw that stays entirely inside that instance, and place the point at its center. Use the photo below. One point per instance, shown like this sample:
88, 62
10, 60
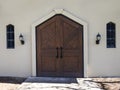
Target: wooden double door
59, 43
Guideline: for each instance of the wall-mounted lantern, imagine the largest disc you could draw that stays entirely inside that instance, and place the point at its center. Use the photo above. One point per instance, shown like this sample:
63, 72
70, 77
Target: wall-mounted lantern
98, 38
21, 38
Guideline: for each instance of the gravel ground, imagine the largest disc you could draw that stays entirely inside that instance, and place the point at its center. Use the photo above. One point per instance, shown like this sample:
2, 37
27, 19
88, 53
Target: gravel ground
12, 83
108, 83
8, 86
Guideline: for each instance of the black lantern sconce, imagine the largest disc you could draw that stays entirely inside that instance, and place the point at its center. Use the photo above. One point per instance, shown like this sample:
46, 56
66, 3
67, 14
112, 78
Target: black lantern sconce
21, 38
98, 38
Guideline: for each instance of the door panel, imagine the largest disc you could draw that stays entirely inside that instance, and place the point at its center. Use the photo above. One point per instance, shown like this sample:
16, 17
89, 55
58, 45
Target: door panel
46, 48
63, 37
72, 61
48, 64
71, 37
48, 35
70, 64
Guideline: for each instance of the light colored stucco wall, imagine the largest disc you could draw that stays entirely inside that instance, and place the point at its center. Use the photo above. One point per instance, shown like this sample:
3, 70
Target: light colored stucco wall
23, 13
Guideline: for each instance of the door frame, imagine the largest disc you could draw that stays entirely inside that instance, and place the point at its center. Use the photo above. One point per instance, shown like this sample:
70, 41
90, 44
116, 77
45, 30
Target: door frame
69, 15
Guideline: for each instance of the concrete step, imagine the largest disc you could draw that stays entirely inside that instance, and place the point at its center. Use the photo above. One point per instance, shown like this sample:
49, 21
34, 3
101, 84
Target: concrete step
54, 83
51, 80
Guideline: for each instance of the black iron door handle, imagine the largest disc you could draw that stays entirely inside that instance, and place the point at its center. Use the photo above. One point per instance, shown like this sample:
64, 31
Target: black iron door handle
57, 52
61, 52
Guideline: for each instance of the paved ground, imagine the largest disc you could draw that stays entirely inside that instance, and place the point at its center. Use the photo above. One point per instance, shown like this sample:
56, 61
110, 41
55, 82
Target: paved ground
47, 83
10, 83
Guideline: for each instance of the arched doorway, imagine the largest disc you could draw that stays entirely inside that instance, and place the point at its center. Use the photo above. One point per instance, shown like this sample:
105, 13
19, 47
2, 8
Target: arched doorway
74, 19
59, 47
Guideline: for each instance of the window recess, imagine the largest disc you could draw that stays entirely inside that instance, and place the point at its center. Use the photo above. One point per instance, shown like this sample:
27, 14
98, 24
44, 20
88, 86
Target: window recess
10, 36
111, 35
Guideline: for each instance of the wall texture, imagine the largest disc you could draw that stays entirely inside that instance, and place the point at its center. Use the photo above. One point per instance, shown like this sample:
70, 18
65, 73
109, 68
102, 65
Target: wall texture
23, 13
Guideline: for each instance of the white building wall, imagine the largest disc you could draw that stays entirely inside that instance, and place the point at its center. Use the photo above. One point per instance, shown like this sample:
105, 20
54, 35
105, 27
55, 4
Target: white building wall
23, 13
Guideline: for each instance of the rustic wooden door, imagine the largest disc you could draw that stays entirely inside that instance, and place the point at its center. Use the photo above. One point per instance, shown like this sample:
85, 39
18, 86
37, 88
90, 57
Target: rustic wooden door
59, 48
